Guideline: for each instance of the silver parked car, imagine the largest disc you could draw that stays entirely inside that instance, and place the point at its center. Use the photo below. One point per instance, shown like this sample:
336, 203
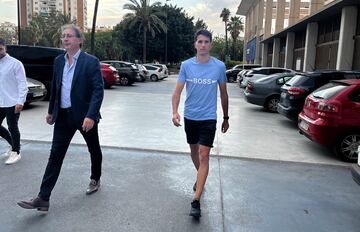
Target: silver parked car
257, 73
266, 90
143, 73
36, 91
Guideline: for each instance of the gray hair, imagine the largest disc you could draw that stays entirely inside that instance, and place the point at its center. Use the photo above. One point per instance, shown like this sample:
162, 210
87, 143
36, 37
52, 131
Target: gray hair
73, 27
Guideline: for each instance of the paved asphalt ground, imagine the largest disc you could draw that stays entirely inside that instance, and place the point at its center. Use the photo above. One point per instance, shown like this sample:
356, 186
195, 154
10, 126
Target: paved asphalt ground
149, 186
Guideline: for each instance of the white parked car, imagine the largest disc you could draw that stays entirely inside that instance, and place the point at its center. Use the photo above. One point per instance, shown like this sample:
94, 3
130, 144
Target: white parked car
155, 73
164, 69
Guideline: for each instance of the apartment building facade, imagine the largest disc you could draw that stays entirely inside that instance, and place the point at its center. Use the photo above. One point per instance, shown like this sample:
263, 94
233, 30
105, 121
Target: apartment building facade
302, 35
76, 8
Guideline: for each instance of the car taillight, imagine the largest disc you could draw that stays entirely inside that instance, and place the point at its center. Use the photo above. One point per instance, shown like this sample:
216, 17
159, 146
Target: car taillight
295, 91
322, 106
249, 87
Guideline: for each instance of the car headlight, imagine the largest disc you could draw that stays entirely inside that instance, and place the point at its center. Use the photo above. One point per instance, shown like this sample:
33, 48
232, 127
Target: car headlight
42, 86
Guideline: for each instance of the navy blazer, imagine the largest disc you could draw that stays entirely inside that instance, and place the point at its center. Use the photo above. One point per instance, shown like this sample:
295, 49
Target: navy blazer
87, 89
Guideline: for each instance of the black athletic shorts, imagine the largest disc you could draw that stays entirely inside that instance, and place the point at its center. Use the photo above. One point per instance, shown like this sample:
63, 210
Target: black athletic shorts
200, 132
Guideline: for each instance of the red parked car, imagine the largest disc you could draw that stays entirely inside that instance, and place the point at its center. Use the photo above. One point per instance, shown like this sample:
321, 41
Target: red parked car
110, 75
331, 116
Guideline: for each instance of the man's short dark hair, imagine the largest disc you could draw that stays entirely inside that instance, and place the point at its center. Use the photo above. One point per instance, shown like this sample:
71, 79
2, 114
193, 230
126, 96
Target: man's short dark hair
204, 33
2, 42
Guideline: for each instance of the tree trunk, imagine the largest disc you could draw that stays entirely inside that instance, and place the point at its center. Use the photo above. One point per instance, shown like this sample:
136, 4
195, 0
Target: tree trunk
144, 45
234, 53
92, 39
226, 41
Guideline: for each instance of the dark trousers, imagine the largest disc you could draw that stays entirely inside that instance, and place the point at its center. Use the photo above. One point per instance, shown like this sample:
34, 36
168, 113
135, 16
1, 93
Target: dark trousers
64, 131
12, 136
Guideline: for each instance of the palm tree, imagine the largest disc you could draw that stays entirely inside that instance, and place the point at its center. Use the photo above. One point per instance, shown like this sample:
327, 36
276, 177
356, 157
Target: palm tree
225, 14
57, 20
146, 18
200, 24
35, 26
235, 26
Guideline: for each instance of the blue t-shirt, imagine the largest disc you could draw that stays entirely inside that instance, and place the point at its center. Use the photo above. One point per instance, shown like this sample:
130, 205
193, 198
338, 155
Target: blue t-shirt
202, 82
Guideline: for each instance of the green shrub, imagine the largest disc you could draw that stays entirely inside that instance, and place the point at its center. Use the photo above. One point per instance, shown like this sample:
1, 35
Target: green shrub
232, 63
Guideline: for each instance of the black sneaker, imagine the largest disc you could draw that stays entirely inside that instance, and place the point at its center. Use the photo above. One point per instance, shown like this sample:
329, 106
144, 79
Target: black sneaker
194, 187
195, 209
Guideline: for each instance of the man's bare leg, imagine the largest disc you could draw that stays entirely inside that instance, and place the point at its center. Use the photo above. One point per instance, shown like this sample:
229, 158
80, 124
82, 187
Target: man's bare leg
203, 170
194, 149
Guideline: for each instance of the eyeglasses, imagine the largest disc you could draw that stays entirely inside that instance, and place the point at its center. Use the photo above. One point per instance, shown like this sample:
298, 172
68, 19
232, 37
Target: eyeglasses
67, 36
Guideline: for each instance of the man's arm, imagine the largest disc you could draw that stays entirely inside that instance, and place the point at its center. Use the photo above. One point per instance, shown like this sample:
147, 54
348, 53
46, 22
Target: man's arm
175, 103
225, 106
97, 94
19, 73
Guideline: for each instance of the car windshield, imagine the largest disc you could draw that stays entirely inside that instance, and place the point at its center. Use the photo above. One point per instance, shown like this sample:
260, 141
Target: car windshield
328, 91
300, 80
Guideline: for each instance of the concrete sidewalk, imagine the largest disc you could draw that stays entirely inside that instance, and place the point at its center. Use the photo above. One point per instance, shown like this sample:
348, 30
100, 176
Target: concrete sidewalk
145, 191
139, 117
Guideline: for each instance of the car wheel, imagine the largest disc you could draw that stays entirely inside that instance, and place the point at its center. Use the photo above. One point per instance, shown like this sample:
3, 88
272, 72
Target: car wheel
154, 77
346, 146
124, 80
271, 104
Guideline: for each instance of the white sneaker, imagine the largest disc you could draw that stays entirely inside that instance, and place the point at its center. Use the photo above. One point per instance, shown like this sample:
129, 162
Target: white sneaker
13, 158
6, 154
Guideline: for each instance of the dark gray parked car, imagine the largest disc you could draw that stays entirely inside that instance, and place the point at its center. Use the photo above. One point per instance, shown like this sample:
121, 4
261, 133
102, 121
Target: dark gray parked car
266, 90
128, 72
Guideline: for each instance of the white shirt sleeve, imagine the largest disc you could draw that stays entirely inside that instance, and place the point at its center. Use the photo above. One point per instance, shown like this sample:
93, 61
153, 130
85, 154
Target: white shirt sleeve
19, 73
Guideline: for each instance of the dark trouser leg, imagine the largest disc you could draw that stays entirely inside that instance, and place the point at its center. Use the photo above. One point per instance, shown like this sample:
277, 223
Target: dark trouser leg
63, 133
12, 119
3, 131
92, 140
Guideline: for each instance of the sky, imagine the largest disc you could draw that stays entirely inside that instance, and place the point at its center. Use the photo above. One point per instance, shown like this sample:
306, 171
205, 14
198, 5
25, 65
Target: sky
110, 12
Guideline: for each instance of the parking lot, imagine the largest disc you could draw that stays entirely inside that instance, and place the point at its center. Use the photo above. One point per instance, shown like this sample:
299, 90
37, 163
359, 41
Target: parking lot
264, 175
139, 117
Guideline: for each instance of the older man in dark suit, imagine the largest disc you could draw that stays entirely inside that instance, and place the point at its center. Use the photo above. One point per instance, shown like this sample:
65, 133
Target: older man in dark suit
76, 96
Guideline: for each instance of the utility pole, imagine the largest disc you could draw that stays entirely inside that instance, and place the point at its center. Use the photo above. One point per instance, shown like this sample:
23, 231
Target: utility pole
92, 38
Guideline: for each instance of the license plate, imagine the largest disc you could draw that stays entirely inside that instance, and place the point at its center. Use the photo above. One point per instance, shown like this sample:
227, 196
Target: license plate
304, 125
38, 94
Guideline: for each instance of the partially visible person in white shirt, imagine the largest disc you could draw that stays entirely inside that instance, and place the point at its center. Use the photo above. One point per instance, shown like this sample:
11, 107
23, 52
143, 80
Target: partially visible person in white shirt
13, 91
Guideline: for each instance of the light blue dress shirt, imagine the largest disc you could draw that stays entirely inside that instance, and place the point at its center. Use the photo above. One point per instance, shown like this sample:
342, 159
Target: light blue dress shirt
67, 78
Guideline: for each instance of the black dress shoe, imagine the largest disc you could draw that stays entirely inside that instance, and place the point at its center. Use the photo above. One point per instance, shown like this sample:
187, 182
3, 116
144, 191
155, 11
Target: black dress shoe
36, 203
93, 187
195, 209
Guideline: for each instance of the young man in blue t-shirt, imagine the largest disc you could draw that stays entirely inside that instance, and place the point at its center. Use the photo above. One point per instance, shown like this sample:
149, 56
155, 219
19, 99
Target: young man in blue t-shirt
202, 75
